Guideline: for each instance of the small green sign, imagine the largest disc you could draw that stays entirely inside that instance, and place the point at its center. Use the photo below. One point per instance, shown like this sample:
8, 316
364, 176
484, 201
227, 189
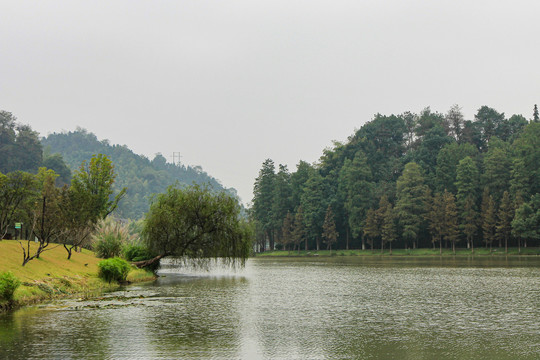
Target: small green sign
17, 225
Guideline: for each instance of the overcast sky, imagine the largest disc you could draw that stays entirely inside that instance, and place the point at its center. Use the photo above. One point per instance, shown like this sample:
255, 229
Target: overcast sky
231, 83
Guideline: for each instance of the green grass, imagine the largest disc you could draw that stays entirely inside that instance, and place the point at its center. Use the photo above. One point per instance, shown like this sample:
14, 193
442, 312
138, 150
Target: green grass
53, 275
401, 252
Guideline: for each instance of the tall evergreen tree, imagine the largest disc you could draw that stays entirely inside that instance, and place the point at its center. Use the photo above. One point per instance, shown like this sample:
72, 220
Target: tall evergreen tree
298, 232
314, 202
380, 214
329, 234
535, 114
298, 182
371, 229
281, 202
469, 221
437, 219
467, 179
388, 229
263, 199
410, 203
489, 220
454, 117
287, 230
505, 216
497, 166
451, 228
526, 172
357, 190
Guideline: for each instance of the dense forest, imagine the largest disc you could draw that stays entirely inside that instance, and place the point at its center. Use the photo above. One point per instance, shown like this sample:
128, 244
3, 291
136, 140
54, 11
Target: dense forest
22, 149
410, 180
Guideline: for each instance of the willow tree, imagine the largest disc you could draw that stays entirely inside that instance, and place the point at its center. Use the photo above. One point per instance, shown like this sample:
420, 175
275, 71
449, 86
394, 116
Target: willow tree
195, 222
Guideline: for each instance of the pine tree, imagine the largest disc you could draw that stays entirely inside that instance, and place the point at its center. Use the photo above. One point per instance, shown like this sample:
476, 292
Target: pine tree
469, 223
504, 223
535, 114
371, 228
357, 192
281, 201
410, 203
298, 233
488, 218
455, 120
286, 231
314, 200
436, 219
380, 214
263, 199
330, 234
451, 229
497, 166
388, 229
467, 179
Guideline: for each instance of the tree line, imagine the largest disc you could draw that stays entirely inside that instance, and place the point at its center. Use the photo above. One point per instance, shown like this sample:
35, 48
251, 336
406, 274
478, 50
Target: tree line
409, 180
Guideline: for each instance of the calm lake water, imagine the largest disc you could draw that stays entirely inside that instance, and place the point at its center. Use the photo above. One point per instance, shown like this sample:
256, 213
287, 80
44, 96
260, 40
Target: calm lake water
306, 308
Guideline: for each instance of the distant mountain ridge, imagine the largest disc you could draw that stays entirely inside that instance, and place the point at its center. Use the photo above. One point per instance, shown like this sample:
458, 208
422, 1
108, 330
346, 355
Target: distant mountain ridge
142, 176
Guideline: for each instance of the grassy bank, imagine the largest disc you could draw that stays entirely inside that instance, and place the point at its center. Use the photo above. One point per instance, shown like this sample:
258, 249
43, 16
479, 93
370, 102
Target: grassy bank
54, 276
402, 252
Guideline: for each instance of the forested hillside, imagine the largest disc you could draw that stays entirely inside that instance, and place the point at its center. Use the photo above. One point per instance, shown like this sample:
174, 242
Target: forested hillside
21, 149
141, 176
410, 180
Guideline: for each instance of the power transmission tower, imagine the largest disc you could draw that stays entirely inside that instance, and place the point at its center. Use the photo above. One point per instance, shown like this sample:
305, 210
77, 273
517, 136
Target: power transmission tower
176, 155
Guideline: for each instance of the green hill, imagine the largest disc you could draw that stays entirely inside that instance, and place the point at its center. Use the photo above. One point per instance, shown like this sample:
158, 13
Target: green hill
142, 176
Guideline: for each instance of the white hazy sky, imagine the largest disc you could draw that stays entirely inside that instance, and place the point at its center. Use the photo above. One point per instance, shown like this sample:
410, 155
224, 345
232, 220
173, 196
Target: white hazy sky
231, 83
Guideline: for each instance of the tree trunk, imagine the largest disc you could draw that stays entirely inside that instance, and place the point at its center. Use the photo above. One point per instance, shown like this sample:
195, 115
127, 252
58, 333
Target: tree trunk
144, 263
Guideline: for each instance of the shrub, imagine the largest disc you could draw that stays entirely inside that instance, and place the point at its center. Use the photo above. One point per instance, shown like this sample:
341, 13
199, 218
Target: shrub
8, 284
110, 237
114, 269
108, 246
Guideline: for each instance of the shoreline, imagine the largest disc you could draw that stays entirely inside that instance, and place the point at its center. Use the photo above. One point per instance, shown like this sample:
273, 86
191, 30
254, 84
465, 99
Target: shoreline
428, 253
53, 276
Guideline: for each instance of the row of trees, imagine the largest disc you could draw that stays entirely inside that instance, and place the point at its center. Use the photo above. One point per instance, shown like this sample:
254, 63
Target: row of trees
50, 213
411, 179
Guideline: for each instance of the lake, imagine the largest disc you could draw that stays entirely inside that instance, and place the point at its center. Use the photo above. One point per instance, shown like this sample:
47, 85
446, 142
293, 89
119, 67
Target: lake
303, 308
